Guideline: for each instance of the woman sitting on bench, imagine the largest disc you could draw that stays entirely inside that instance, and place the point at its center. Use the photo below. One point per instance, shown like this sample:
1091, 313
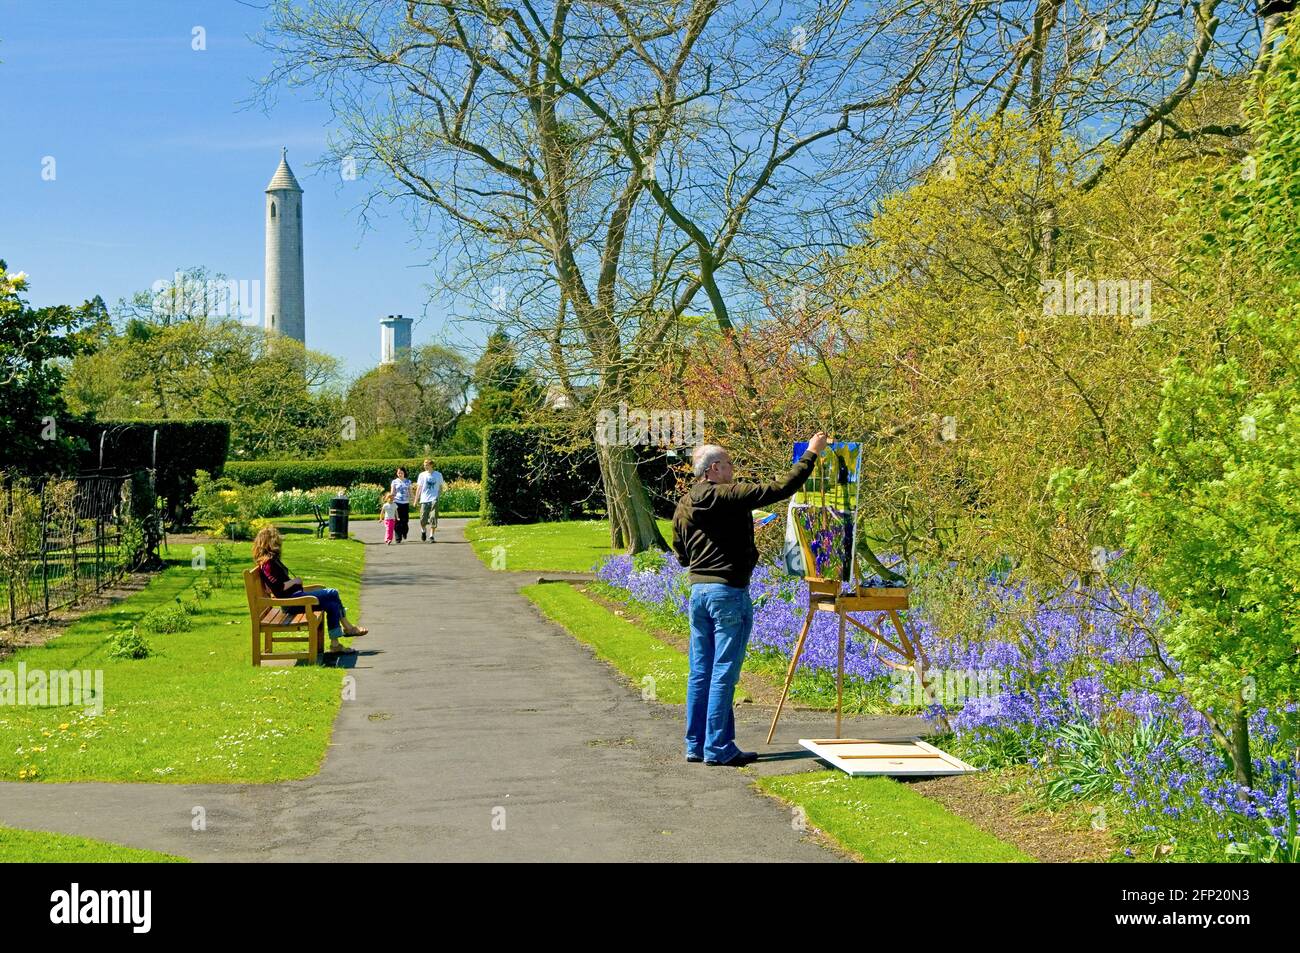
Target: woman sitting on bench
266, 551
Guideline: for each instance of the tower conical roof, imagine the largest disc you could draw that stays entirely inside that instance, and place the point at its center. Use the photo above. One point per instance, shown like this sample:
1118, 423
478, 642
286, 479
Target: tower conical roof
283, 178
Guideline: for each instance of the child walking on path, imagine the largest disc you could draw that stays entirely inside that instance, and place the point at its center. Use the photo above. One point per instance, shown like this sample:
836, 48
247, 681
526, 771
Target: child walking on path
388, 513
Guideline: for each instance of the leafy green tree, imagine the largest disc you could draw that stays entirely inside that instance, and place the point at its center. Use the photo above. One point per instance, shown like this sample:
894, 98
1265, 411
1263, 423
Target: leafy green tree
1213, 515
33, 342
505, 392
386, 443
997, 420
177, 353
424, 395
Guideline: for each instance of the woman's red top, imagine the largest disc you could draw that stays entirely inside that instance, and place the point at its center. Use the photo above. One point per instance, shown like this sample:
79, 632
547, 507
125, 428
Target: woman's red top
277, 579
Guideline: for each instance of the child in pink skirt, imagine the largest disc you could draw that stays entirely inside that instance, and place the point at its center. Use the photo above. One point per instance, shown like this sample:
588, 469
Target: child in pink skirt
388, 513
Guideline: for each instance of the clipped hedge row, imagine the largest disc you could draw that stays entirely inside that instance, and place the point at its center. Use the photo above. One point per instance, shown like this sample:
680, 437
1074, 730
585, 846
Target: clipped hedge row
307, 474
534, 473
183, 446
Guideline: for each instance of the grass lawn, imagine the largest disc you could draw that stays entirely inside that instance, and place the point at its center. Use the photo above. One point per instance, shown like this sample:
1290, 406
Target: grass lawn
572, 546
38, 847
881, 820
195, 711
627, 647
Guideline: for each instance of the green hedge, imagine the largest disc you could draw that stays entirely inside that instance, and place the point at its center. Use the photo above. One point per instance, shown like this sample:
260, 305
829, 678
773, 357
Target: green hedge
533, 473
184, 446
309, 474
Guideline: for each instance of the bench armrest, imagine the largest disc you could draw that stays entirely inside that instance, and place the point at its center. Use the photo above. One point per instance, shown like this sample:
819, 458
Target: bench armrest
309, 601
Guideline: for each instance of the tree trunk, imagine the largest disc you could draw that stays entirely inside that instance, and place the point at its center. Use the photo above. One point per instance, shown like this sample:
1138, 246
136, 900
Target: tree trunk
631, 517
1242, 768
616, 537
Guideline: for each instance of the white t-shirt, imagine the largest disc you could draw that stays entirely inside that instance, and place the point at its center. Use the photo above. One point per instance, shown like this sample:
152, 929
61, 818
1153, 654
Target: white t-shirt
401, 490
430, 485
390, 511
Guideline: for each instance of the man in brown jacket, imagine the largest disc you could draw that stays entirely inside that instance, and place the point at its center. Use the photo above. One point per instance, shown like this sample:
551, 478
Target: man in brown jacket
713, 536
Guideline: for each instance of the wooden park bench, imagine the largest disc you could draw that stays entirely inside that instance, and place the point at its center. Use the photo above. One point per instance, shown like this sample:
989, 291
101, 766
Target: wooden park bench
272, 617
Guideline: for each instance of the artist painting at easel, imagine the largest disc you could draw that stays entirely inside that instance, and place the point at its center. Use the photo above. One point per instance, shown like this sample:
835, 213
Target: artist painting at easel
713, 536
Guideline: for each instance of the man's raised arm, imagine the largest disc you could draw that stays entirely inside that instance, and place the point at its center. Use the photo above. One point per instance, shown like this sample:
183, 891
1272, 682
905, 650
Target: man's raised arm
755, 495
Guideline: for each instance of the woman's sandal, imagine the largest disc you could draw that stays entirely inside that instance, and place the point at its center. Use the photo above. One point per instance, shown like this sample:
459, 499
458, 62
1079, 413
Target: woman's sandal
343, 651
361, 630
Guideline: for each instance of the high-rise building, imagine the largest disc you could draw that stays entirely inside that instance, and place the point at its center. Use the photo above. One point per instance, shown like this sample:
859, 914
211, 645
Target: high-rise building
394, 338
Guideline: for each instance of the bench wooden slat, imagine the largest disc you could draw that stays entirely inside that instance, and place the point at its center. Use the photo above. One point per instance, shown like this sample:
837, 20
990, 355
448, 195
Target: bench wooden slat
278, 616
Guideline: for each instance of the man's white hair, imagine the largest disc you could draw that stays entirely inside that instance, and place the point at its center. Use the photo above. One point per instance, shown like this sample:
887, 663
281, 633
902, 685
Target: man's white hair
705, 456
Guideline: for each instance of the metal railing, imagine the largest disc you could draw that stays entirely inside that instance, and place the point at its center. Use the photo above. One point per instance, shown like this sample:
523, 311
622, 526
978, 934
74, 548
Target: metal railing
64, 541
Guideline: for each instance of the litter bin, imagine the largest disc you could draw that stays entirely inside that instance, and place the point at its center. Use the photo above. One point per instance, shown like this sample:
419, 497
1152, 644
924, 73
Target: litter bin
339, 517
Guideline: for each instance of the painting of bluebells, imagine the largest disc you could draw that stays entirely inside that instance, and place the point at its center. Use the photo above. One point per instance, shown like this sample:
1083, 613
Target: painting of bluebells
1072, 689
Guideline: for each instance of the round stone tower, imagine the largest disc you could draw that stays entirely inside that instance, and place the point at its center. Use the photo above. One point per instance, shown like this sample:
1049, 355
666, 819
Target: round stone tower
285, 311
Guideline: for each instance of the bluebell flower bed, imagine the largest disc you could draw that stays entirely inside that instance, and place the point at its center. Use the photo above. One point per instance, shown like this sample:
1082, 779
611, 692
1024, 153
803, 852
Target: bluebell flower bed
1073, 687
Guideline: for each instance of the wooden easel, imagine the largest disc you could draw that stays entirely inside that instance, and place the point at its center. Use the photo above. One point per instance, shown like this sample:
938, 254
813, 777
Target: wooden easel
824, 595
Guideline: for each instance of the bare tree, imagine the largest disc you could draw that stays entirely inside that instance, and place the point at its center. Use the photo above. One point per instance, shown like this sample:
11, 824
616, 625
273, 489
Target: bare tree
1109, 71
606, 167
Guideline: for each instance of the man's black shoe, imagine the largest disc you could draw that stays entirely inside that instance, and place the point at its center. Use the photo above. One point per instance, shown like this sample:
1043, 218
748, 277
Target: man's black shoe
693, 760
422, 535
741, 759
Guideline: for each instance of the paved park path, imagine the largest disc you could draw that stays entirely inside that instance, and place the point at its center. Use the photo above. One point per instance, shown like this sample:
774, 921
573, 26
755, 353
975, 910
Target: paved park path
470, 708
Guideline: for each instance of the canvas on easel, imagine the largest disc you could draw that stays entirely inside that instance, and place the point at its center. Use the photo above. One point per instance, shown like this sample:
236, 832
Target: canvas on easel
821, 546
820, 537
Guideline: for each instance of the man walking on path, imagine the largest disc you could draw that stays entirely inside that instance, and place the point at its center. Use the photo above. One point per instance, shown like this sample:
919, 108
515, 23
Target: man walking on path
429, 486
713, 536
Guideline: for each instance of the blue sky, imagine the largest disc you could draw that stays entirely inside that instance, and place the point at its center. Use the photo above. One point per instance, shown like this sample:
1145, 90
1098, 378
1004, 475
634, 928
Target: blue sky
160, 165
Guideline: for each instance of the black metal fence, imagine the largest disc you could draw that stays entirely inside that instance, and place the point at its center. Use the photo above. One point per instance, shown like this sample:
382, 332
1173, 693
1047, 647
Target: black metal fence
65, 539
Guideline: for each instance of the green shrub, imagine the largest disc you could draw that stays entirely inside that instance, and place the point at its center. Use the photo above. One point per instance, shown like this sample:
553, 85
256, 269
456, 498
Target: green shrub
225, 507
166, 619
533, 473
183, 448
128, 644
290, 474
222, 565
264, 504
364, 498
460, 496
536, 473
1088, 758
650, 560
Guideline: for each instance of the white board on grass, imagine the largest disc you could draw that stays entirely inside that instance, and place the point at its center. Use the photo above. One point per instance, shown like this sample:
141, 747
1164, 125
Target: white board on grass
908, 757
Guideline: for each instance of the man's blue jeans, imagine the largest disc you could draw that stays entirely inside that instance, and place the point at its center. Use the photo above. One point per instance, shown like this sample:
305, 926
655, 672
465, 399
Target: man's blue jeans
721, 620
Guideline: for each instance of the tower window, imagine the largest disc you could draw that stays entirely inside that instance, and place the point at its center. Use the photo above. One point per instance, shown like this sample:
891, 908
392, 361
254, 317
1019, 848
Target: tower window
273, 210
